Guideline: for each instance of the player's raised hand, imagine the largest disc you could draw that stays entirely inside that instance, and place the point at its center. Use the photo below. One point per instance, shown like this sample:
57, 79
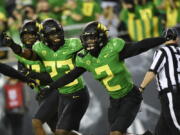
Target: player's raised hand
7, 40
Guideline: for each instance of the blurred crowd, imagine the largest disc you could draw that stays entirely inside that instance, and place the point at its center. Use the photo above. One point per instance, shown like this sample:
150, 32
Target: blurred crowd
130, 19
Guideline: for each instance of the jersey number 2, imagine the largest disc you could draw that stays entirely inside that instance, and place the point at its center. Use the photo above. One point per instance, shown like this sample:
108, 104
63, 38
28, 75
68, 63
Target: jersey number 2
108, 71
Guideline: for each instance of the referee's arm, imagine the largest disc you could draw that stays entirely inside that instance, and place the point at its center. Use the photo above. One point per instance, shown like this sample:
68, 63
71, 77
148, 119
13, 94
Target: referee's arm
147, 79
156, 66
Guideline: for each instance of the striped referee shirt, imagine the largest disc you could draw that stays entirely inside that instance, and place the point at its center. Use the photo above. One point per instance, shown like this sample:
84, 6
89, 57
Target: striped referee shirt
166, 66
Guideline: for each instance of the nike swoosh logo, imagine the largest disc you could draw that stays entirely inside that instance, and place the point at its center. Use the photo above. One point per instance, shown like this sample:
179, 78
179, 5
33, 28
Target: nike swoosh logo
75, 96
106, 55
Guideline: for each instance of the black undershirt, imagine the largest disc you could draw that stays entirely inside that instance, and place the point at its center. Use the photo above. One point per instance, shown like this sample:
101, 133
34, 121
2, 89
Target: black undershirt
11, 72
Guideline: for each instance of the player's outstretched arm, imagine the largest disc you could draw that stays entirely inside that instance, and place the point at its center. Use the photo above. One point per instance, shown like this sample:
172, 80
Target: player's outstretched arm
11, 72
8, 41
132, 49
67, 78
43, 77
17, 49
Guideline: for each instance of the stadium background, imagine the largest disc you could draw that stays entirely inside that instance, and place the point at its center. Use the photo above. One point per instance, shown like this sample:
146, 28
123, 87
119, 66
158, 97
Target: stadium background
95, 120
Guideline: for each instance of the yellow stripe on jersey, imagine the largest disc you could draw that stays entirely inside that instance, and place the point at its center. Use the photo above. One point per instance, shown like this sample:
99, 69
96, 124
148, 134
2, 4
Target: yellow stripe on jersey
139, 30
172, 15
131, 26
155, 27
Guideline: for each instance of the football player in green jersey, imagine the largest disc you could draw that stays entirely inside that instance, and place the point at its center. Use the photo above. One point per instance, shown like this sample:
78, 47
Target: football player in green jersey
104, 57
36, 70
58, 53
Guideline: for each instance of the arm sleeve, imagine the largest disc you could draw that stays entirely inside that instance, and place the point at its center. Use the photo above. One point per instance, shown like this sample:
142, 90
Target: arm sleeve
17, 49
11, 72
26, 53
67, 78
133, 49
22, 68
43, 77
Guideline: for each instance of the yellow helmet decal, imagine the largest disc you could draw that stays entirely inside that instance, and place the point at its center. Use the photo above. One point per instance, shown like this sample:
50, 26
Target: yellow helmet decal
103, 28
39, 26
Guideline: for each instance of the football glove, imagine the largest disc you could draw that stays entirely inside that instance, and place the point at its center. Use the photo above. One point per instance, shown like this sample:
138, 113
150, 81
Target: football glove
43, 77
31, 81
7, 40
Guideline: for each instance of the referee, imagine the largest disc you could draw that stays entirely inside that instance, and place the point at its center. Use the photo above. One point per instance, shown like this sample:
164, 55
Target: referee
166, 68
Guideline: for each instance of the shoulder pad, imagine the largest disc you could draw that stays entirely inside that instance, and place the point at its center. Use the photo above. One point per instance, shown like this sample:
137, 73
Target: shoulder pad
116, 44
37, 43
74, 44
74, 40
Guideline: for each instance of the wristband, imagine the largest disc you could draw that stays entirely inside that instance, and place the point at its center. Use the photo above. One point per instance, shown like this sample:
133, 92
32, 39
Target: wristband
142, 88
48, 86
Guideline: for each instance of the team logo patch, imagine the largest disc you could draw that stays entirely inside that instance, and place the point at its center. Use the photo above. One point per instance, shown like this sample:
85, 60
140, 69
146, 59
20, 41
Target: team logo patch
88, 62
106, 55
64, 52
44, 52
75, 97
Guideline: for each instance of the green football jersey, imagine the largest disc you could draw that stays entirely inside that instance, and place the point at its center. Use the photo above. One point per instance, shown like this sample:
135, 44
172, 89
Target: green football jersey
61, 62
36, 66
108, 69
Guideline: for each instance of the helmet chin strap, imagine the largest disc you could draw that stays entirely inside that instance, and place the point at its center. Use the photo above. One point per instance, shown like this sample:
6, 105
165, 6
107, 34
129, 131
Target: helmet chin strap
28, 46
96, 51
55, 46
